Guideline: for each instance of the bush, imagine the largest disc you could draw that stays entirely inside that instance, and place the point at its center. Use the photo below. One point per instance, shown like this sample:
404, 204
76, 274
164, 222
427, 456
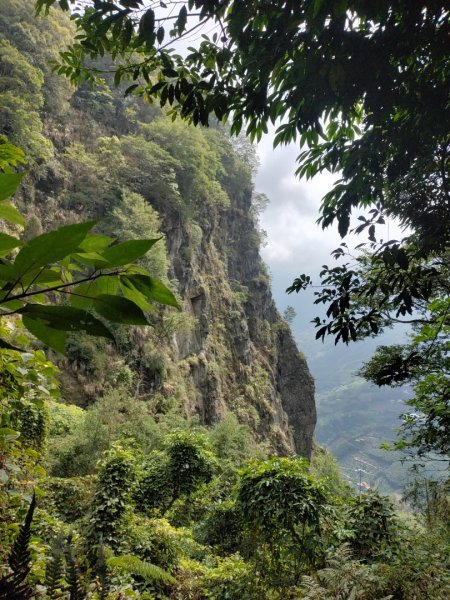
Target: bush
373, 524
231, 579
113, 488
68, 498
155, 541
222, 528
154, 490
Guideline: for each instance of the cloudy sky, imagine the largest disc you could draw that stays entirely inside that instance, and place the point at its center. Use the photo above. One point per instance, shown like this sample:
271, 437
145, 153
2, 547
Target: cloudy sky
296, 243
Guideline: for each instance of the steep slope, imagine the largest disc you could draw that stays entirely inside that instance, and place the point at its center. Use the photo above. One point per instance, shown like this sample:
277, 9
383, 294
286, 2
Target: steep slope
94, 154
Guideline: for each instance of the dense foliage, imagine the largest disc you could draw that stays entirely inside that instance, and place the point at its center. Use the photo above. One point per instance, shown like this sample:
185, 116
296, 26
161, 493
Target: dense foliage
362, 87
235, 528
115, 491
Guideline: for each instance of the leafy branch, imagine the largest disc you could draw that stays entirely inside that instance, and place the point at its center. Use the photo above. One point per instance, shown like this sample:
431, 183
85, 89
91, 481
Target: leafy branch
93, 271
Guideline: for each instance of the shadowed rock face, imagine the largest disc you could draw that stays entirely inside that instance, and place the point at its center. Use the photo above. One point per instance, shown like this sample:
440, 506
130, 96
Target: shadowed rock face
248, 360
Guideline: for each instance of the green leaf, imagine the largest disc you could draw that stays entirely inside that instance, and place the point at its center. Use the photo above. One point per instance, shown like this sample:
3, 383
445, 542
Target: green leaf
83, 295
52, 276
53, 338
7, 272
160, 34
10, 305
127, 252
182, 19
9, 434
147, 27
10, 155
130, 292
11, 214
7, 243
91, 259
51, 247
153, 289
9, 182
67, 318
95, 242
131, 89
119, 310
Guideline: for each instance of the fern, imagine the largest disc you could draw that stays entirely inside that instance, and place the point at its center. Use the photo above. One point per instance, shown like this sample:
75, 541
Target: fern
11, 590
55, 569
76, 591
13, 586
102, 570
343, 579
135, 566
20, 556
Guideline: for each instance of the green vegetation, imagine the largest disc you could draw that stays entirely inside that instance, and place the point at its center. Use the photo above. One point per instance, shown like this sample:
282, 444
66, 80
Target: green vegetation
195, 519
124, 473
361, 86
425, 363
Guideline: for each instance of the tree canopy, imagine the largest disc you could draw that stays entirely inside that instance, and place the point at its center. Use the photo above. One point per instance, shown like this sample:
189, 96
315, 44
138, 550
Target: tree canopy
361, 86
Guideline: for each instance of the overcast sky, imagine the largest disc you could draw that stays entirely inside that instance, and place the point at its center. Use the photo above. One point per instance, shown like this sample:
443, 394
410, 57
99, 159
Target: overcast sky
295, 243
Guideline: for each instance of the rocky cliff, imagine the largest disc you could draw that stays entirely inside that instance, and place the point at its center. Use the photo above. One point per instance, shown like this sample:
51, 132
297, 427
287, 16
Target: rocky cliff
95, 154
241, 354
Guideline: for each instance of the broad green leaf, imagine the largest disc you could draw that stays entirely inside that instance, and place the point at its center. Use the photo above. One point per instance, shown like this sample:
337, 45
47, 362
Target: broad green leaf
153, 289
51, 247
66, 318
130, 292
9, 306
108, 284
119, 310
127, 252
91, 259
52, 276
9, 182
53, 338
36, 277
83, 295
95, 242
11, 214
7, 243
9, 434
7, 272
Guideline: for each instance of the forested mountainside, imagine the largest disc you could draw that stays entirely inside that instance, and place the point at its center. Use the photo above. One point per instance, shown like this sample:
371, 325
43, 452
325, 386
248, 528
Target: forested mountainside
172, 463
97, 155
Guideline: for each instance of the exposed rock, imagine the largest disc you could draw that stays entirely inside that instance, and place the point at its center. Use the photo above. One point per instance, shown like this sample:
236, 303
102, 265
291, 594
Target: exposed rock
249, 361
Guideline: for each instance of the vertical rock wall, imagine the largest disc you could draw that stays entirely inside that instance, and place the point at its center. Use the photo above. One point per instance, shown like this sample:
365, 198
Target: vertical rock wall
242, 355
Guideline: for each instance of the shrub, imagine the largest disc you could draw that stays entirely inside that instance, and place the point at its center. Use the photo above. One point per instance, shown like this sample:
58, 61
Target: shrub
115, 479
69, 498
222, 528
373, 525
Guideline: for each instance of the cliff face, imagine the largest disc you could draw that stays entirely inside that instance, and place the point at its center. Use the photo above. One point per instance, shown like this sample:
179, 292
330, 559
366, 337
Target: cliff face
95, 154
247, 361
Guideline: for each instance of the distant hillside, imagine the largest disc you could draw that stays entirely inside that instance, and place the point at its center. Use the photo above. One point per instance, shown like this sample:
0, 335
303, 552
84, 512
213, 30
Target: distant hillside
353, 417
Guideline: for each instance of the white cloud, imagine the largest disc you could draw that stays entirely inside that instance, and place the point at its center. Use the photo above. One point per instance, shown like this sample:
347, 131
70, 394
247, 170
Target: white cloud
295, 242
